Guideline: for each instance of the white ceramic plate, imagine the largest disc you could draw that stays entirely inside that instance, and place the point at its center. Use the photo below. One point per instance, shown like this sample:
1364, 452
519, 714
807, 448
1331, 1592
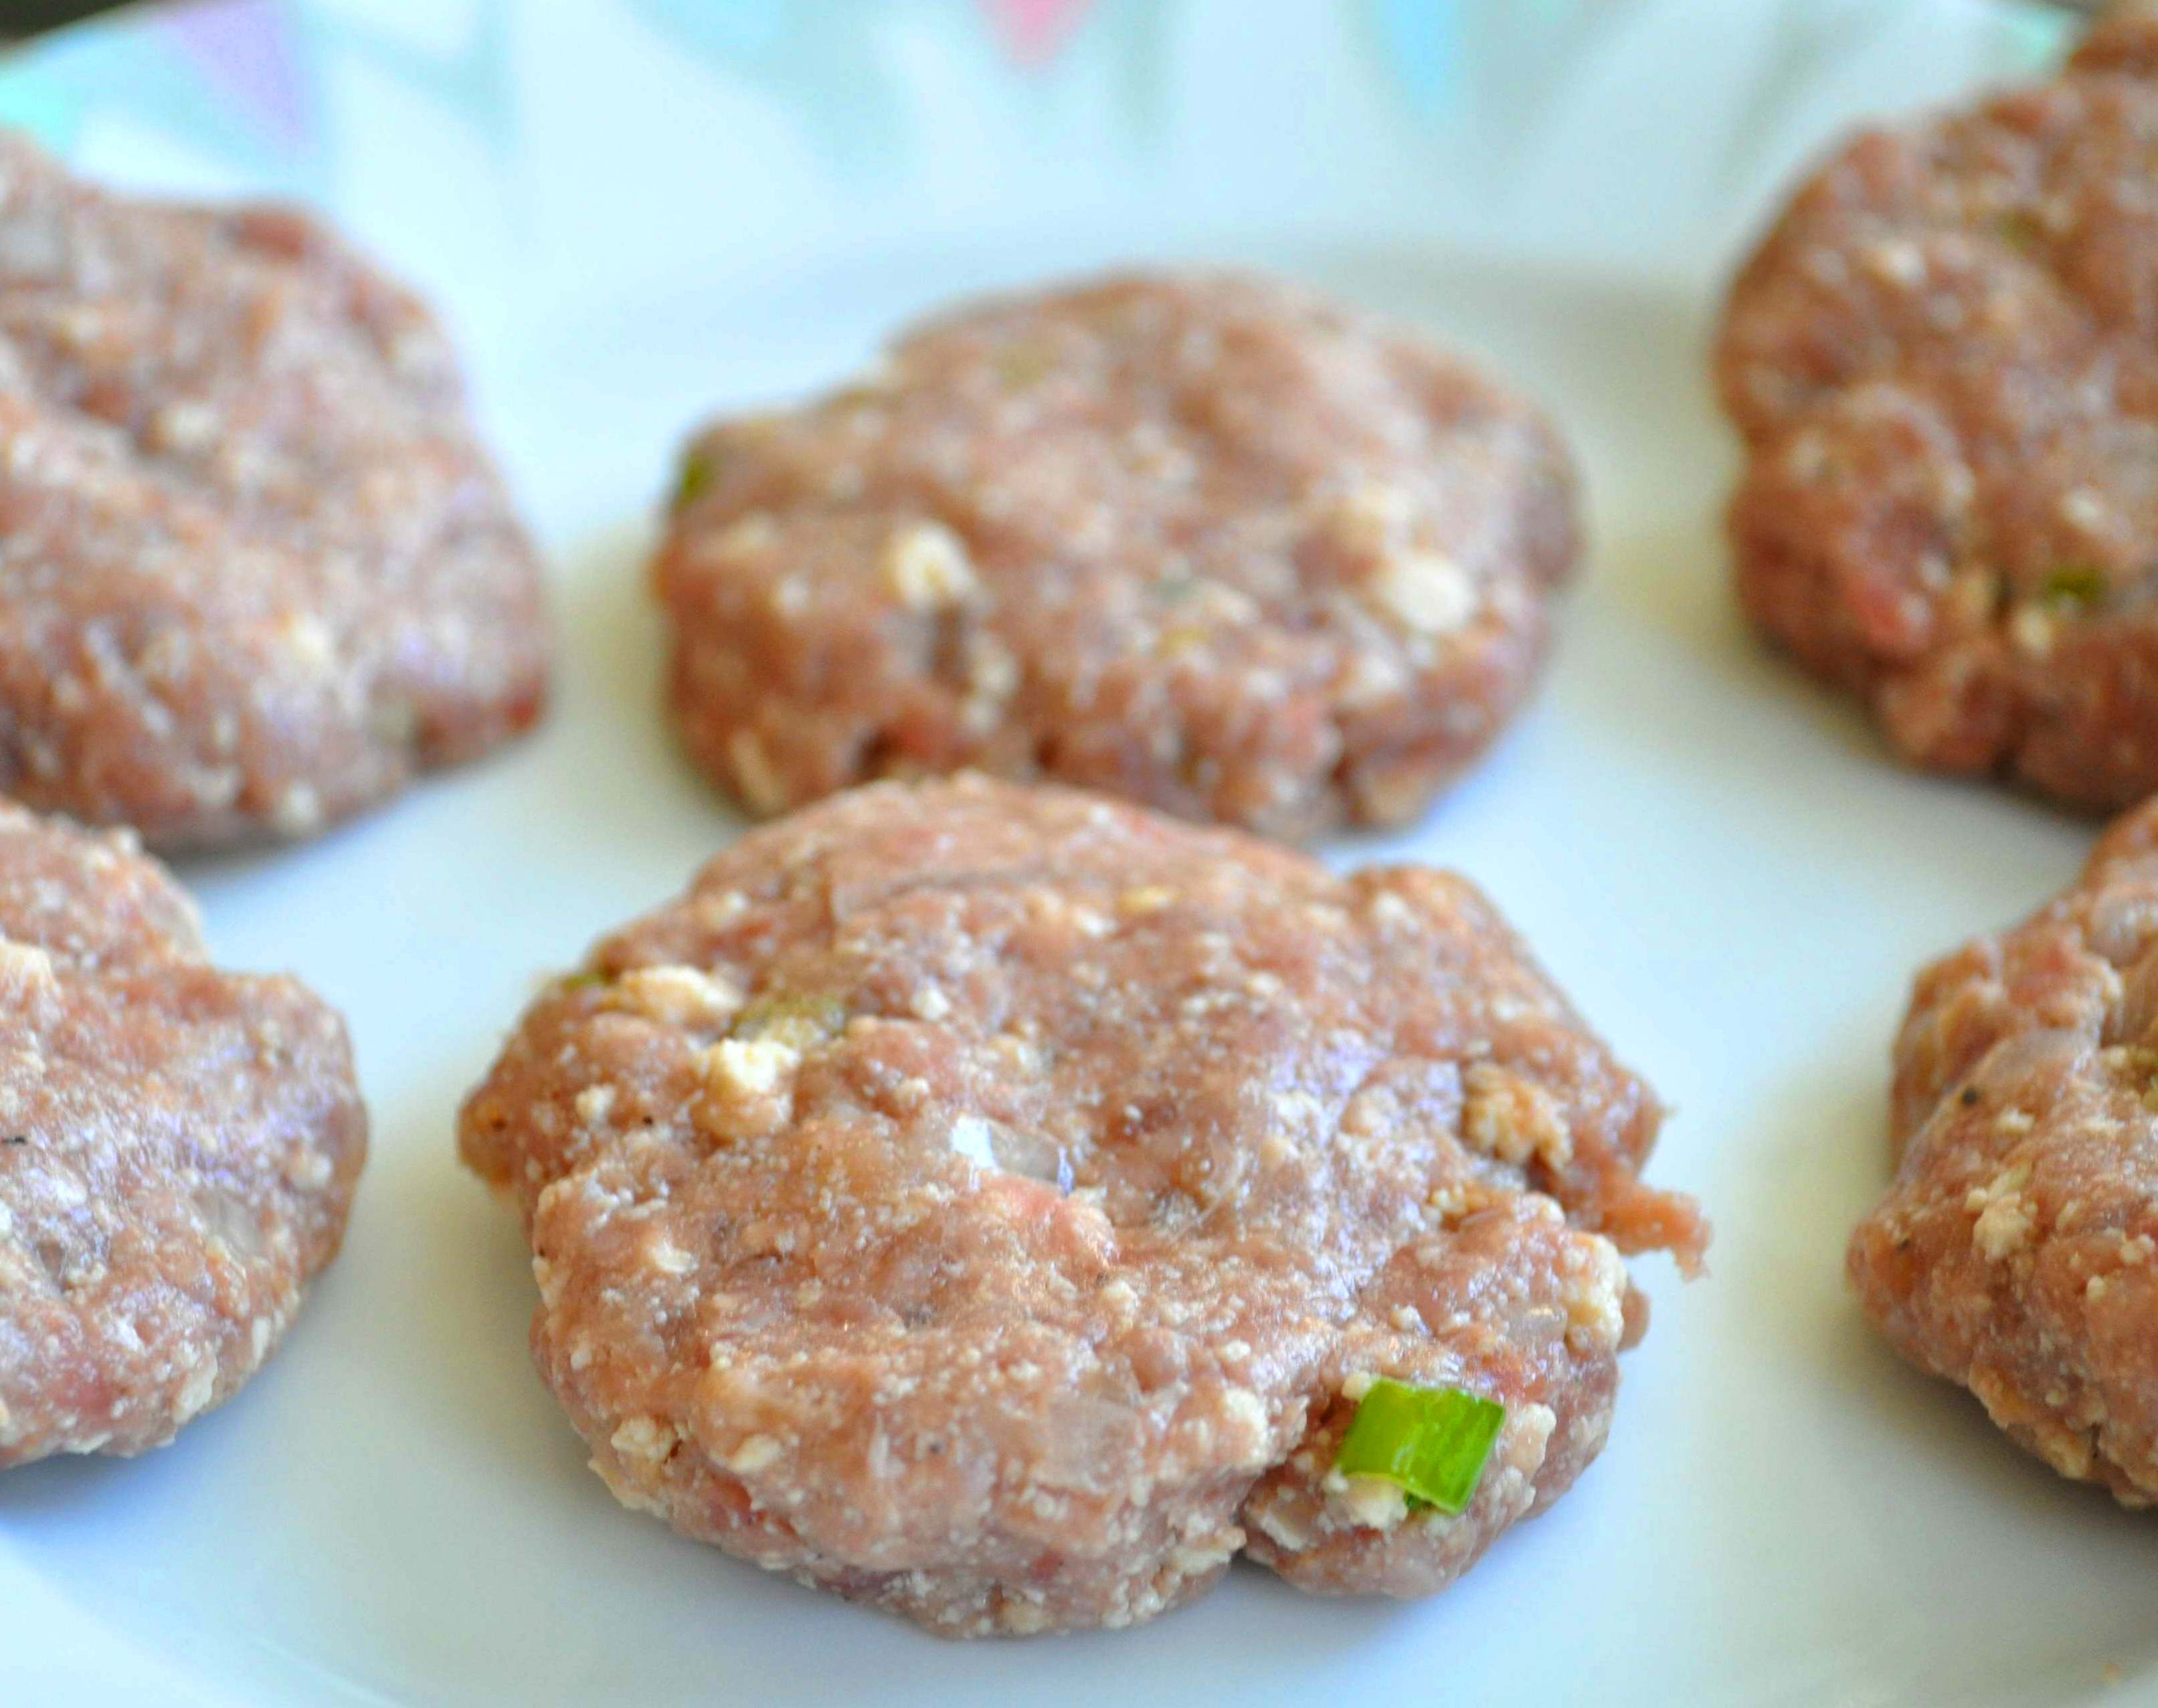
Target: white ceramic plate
637, 211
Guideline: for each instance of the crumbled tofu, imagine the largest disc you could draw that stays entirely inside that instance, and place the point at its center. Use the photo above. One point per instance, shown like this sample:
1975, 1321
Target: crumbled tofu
926, 565
1897, 261
1596, 1310
2004, 1215
2083, 508
1427, 591
751, 1068
677, 996
1371, 1502
184, 427
2033, 630
754, 774
668, 1258
972, 1138
594, 1103
929, 1004
743, 537
308, 641
1245, 1416
757, 1453
645, 1438
1510, 1118
24, 964
298, 811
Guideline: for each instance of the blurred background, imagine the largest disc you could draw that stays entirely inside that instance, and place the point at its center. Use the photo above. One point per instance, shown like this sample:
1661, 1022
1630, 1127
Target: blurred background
20, 17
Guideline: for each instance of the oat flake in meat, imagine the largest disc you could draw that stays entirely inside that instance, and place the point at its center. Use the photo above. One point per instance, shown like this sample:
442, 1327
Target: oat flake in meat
179, 1148
1202, 540
1944, 362
254, 571
989, 1201
2018, 1251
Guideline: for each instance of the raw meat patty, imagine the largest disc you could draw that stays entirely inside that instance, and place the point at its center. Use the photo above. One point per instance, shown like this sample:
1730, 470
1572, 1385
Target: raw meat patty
177, 1151
2018, 1251
984, 1200
1944, 362
254, 571
1202, 540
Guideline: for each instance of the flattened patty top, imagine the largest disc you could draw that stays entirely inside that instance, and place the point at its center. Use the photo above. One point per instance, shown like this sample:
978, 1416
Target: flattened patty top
179, 1148
1944, 360
255, 569
1201, 540
985, 1201
2017, 1250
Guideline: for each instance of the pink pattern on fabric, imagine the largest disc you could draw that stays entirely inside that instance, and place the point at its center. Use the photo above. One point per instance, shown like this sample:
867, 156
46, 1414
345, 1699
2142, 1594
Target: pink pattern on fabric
245, 49
1034, 32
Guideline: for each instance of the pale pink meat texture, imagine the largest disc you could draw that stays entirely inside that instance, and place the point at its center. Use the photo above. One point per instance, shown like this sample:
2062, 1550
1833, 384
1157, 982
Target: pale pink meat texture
1203, 540
255, 572
179, 1148
2017, 1252
2123, 39
1944, 362
985, 1201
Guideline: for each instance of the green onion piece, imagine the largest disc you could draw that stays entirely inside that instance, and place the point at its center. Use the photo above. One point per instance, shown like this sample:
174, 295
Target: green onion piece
1021, 367
1431, 1442
699, 469
2076, 584
2021, 229
801, 1021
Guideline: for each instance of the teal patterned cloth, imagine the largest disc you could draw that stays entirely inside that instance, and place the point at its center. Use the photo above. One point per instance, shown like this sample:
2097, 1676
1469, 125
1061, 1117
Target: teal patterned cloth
524, 152
247, 79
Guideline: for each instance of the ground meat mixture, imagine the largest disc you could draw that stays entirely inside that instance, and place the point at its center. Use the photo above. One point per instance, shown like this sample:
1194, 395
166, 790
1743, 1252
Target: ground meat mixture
2123, 39
989, 1201
254, 571
2018, 1251
1944, 362
177, 1151
1201, 540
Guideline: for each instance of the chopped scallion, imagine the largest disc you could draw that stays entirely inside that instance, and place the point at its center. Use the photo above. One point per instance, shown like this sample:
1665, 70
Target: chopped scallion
2076, 584
1023, 366
2021, 229
698, 471
800, 1020
1431, 1442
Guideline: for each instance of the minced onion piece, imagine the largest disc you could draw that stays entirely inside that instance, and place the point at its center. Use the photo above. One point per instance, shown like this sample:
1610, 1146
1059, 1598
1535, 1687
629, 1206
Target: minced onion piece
699, 469
2077, 584
1430, 1442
